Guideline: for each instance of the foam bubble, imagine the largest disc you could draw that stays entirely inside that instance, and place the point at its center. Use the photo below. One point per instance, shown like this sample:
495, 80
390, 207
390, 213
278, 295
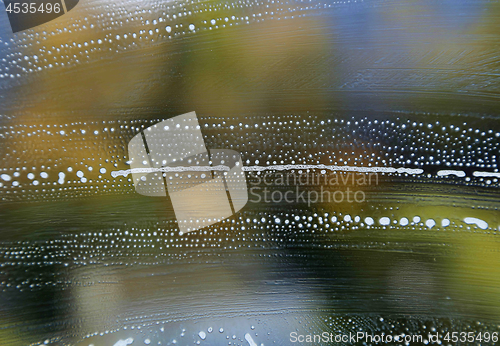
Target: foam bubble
384, 221
480, 223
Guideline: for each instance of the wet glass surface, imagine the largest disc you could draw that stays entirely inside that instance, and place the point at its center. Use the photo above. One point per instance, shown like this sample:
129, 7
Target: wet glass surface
369, 136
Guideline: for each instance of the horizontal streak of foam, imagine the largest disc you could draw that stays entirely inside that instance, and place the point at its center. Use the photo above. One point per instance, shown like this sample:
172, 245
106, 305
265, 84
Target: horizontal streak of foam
126, 172
487, 174
335, 168
146, 170
460, 174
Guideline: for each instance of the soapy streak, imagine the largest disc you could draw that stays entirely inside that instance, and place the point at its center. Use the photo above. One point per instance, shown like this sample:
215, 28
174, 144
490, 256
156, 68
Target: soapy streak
224, 168
126, 172
442, 173
487, 174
